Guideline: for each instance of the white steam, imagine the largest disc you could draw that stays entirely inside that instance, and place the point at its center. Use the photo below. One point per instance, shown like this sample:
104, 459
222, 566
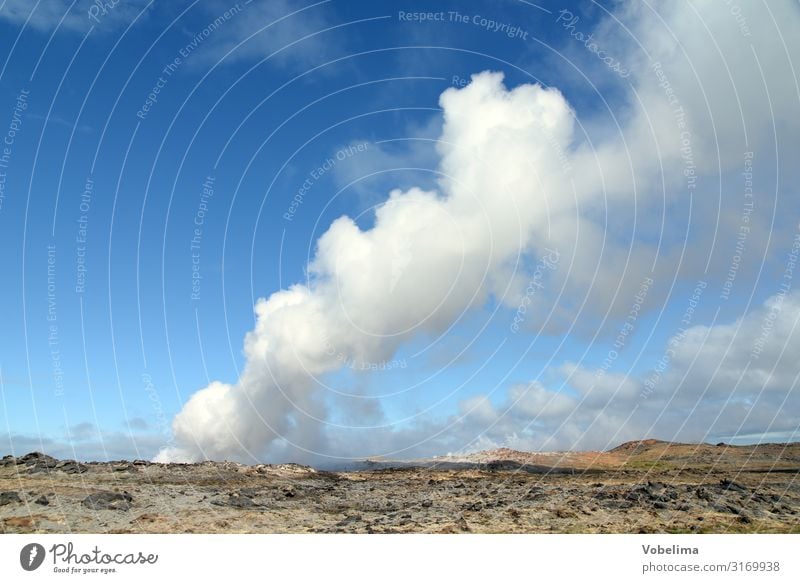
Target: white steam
429, 257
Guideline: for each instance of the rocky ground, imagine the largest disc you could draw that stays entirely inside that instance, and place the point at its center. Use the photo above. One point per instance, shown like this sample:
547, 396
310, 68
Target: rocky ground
646, 486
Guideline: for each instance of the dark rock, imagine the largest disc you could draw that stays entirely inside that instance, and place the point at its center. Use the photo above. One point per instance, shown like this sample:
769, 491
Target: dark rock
8, 460
235, 500
141, 463
616, 504
605, 494
71, 467
703, 494
37, 458
731, 485
37, 462
42, 500
9, 497
348, 520
667, 495
289, 491
427, 503
30, 457
637, 494
655, 492
108, 501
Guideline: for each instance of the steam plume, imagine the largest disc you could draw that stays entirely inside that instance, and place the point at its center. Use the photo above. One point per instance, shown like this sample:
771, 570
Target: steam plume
429, 257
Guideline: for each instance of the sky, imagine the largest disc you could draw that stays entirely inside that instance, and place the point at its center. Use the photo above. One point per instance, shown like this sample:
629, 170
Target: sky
323, 231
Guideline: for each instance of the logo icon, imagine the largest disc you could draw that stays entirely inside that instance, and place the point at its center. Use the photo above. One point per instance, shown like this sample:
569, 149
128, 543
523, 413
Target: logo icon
31, 556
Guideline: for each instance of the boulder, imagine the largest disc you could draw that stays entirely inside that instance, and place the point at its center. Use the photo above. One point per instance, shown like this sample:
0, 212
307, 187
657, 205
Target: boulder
37, 458
108, 501
71, 467
9, 497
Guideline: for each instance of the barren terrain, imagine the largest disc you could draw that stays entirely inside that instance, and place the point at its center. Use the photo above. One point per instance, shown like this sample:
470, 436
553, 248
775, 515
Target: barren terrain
645, 486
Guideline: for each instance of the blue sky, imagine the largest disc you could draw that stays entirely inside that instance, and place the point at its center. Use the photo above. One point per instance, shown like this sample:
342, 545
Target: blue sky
197, 124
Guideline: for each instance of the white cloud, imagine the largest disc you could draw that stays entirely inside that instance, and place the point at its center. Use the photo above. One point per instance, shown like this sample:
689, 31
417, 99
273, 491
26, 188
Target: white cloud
693, 60
714, 389
287, 31
717, 387
399, 162
85, 442
77, 16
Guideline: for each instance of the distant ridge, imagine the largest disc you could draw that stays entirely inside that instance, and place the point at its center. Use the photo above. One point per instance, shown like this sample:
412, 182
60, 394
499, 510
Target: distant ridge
643, 445
634, 454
